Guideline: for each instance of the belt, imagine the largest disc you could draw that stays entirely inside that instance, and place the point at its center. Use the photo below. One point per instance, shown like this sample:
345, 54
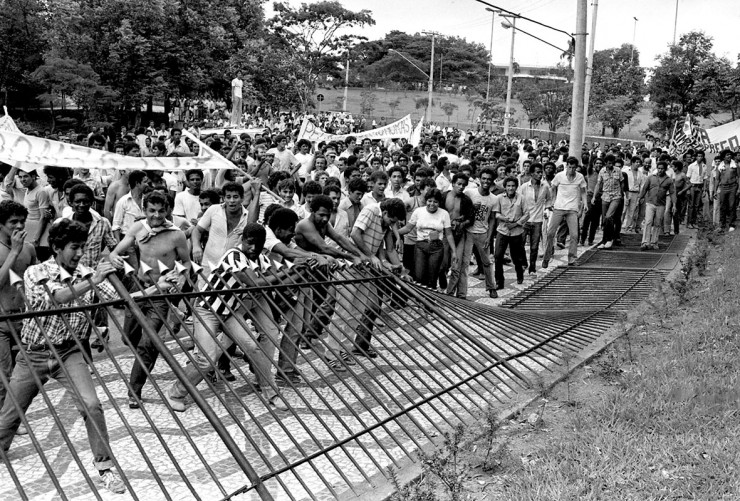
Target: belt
634, 191
69, 343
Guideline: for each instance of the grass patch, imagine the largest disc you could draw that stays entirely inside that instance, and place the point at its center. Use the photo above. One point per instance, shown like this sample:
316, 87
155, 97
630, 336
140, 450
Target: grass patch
669, 426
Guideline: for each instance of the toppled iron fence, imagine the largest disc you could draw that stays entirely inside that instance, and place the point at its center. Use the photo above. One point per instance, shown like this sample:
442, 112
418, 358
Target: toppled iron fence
382, 368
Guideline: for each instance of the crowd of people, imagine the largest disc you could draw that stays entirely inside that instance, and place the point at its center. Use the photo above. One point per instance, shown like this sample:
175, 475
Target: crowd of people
425, 212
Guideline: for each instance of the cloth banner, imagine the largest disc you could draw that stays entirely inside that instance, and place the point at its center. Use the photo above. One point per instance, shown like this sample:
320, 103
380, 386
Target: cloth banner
234, 131
717, 139
313, 133
30, 152
415, 137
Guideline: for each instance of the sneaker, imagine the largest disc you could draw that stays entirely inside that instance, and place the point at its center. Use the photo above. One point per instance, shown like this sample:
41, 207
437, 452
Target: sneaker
113, 482
346, 358
369, 352
336, 365
279, 404
177, 404
732, 228
288, 377
545, 263
22, 430
493, 294
133, 403
645, 247
601, 246
609, 244
228, 376
520, 280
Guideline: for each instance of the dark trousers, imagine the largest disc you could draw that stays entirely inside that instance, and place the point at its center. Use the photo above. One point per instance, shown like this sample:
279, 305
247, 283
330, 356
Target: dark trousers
591, 221
534, 232
133, 336
678, 218
726, 199
77, 374
695, 202
518, 256
428, 257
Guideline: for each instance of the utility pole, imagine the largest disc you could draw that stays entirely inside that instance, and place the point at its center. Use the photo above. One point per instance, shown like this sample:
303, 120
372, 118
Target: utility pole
346, 85
589, 70
675, 24
490, 53
507, 113
634, 37
579, 83
428, 117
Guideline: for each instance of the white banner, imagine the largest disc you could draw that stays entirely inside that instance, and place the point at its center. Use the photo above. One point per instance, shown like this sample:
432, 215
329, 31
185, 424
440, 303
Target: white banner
719, 138
234, 131
399, 128
30, 152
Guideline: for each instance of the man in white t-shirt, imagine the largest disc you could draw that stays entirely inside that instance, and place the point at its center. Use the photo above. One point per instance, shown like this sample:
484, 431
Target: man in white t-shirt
305, 157
236, 98
284, 158
569, 192
187, 203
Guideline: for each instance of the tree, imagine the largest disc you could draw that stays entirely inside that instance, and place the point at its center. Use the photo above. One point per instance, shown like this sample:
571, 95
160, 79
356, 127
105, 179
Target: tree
22, 30
422, 102
464, 63
393, 105
64, 78
615, 114
556, 103
617, 78
367, 101
530, 96
673, 87
449, 109
719, 83
318, 34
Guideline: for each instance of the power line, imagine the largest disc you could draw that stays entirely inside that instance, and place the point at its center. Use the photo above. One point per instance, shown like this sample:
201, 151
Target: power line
524, 17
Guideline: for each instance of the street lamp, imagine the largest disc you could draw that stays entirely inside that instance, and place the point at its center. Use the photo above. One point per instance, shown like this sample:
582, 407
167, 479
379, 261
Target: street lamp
507, 113
490, 51
634, 36
428, 111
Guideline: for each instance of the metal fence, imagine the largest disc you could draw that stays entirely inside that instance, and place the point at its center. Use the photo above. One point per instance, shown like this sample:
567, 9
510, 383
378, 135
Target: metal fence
439, 361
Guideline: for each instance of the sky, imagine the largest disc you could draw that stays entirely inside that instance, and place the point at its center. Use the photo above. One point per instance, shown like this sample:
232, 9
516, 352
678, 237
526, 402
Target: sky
615, 24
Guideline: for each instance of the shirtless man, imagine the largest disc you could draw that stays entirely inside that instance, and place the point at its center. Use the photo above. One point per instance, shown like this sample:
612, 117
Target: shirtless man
17, 256
460, 208
116, 190
158, 240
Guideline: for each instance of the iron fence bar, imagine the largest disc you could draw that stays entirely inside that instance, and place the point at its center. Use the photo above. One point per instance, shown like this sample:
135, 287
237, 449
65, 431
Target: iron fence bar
383, 342
112, 400
199, 400
236, 420
24, 420
359, 381
244, 326
462, 332
441, 348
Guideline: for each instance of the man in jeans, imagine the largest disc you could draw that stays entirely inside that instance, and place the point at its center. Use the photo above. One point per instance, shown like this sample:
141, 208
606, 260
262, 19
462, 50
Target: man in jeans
569, 192
537, 196
697, 174
726, 189
655, 191
478, 236
609, 185
44, 336
511, 212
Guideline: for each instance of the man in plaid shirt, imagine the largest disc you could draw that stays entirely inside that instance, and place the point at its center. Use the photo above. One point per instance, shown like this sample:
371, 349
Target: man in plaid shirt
51, 342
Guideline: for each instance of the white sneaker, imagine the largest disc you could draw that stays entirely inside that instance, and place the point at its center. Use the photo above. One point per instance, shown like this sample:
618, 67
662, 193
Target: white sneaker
732, 228
609, 244
113, 482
